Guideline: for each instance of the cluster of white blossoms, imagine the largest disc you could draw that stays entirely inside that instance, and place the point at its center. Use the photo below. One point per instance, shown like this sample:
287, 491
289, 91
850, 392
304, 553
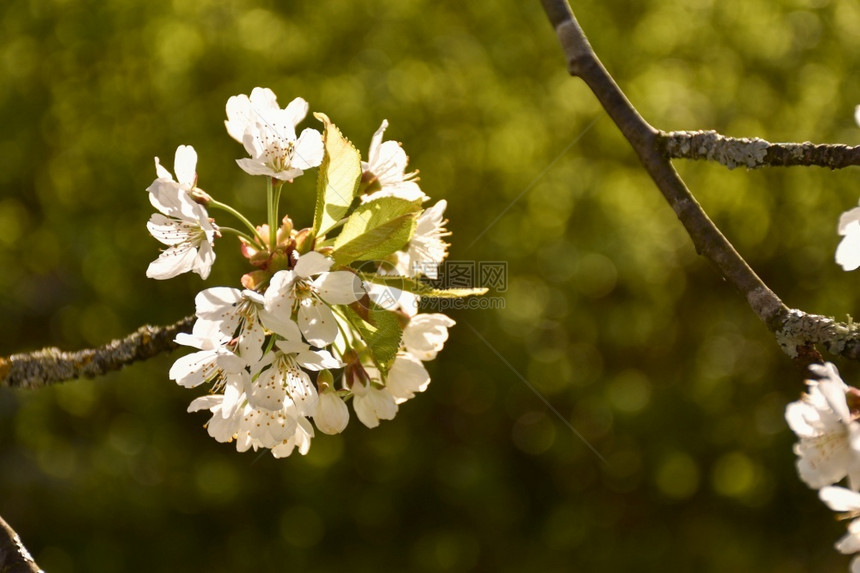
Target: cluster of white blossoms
825, 420
328, 314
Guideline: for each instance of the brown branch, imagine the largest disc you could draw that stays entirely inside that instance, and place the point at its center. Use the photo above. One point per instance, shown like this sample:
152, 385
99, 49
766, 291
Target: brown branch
51, 365
753, 153
14, 557
795, 331
707, 238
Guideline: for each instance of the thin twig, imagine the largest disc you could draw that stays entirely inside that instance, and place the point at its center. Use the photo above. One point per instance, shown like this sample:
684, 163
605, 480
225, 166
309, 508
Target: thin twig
753, 153
14, 557
52, 365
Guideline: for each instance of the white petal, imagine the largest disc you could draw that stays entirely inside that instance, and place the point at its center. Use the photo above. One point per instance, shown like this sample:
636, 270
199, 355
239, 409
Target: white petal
309, 150
848, 251
172, 262
185, 165
296, 110
312, 263
255, 167
204, 403
406, 376
316, 360
161, 172
218, 304
268, 391
375, 142
301, 390
317, 323
205, 259
280, 323
339, 287
839, 498
373, 405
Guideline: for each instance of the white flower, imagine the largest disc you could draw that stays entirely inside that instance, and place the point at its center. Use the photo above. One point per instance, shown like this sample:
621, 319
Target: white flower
269, 135
331, 415
282, 379
213, 363
230, 314
848, 251
183, 225
372, 404
426, 249
226, 411
385, 171
829, 446
425, 335
406, 376
264, 428
845, 500
300, 439
297, 290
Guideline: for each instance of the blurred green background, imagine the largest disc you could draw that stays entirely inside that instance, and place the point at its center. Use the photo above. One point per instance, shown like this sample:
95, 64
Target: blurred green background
609, 314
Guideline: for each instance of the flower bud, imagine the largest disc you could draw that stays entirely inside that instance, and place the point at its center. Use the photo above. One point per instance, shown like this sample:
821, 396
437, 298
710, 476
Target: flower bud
331, 414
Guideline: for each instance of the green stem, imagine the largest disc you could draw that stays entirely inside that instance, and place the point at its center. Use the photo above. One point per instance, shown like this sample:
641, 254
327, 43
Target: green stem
245, 236
278, 186
238, 215
273, 215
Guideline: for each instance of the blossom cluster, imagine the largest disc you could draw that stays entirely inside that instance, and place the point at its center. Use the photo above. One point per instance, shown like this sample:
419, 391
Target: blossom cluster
326, 314
826, 422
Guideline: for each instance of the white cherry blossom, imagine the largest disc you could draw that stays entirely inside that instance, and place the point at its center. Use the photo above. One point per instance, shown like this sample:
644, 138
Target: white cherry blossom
182, 224
307, 290
213, 363
829, 446
264, 428
269, 135
406, 376
372, 404
425, 335
282, 378
385, 171
231, 314
426, 249
301, 439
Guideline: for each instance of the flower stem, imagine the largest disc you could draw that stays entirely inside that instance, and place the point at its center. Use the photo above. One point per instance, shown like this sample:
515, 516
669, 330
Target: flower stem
273, 214
245, 236
238, 215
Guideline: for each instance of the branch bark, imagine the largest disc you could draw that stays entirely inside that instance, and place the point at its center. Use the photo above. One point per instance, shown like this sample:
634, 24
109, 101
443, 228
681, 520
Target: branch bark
754, 153
51, 365
14, 557
795, 331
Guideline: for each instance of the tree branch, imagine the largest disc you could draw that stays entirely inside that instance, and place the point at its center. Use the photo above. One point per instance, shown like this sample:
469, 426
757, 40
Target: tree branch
753, 153
707, 238
796, 331
14, 557
51, 365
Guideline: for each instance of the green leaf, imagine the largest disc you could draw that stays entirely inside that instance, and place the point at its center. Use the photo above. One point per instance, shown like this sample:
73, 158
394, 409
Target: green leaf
420, 288
375, 230
339, 176
381, 331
